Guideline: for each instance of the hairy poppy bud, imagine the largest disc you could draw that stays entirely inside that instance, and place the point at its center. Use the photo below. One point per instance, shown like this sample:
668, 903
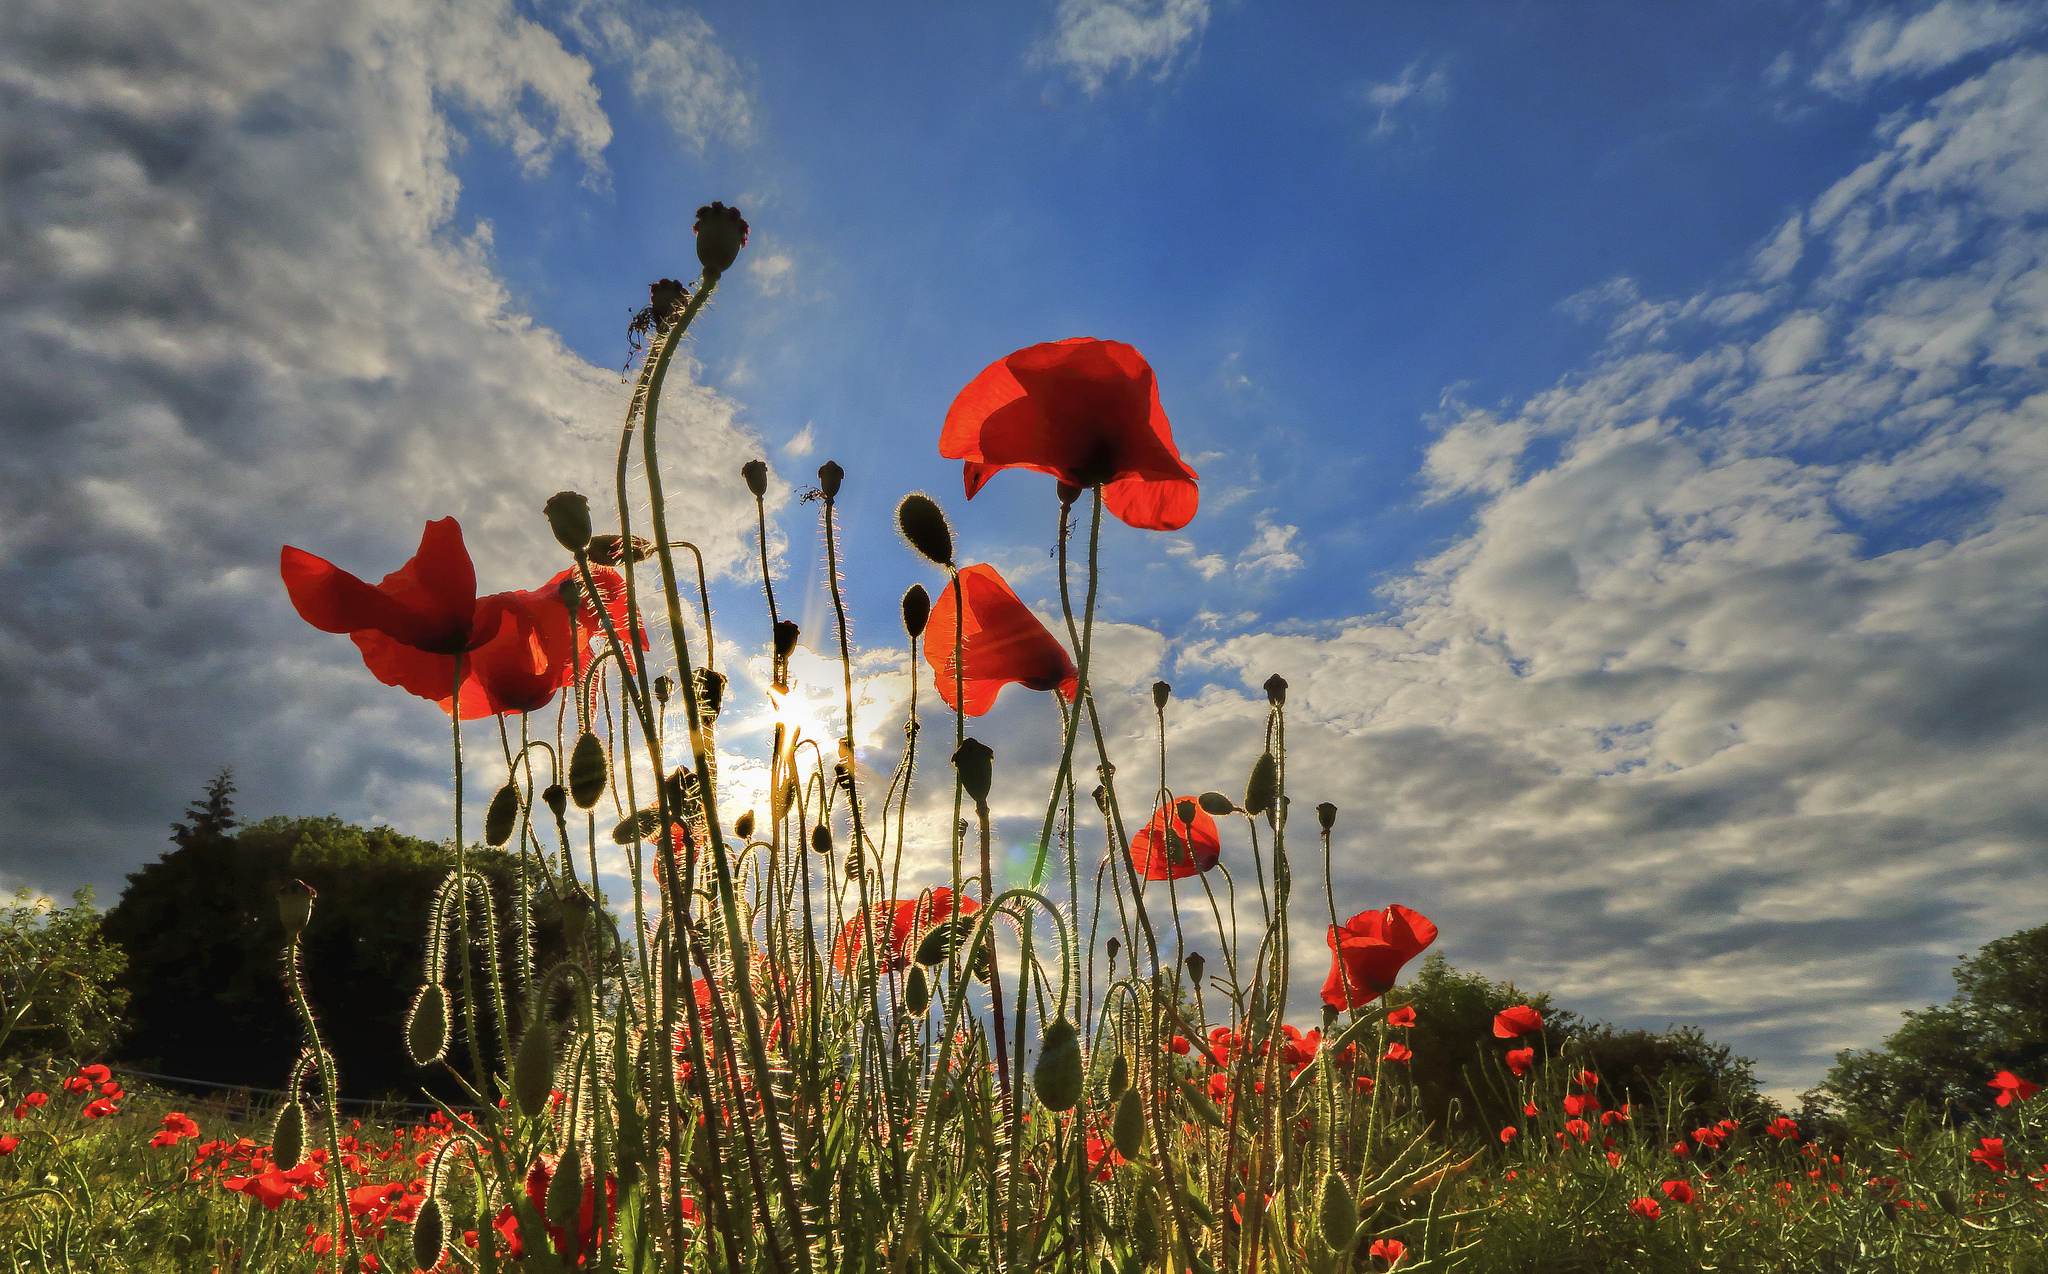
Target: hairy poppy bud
568, 516
1113, 946
1263, 785
721, 233
975, 762
610, 550
664, 686
756, 474
830, 475
1127, 1131
923, 525
1216, 803
288, 1135
533, 1066
743, 826
295, 907
982, 962
1161, 692
1329, 1016
1338, 1213
1276, 690
1101, 795
710, 694
938, 944
1196, 964
587, 771
1119, 1076
786, 633
429, 1235
557, 799
917, 990
917, 610
502, 816
1326, 814
565, 1189
1058, 1075
426, 1025
639, 825
821, 839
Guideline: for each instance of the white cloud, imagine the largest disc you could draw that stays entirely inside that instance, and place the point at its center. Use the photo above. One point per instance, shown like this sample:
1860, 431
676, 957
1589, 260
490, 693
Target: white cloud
1412, 88
1096, 39
673, 61
805, 442
238, 315
773, 273
1271, 549
1885, 45
1665, 732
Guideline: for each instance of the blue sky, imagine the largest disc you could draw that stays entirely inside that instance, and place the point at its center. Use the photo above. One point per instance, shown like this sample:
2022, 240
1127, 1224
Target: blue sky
1621, 423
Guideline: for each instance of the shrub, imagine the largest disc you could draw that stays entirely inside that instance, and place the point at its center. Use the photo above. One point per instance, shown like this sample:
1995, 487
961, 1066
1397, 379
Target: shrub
60, 979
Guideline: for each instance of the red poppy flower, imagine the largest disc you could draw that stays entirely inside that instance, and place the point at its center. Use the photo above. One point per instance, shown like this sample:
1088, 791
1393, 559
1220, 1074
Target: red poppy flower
100, 1107
1389, 1250
1509, 1134
1519, 1061
1646, 1208
1574, 1104
1398, 1053
1990, 1152
537, 1179
1782, 1128
1578, 1128
1004, 642
1085, 411
2012, 1088
1519, 1020
1222, 1042
1180, 841
1299, 1050
896, 920
177, 1124
1402, 1017
1677, 1191
1368, 952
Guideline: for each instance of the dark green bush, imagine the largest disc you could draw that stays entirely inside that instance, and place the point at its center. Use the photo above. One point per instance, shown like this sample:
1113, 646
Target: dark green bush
61, 992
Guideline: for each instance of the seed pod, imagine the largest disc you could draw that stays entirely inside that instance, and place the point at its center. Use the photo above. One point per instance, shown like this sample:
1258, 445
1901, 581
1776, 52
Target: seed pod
1101, 795
587, 771
1263, 786
756, 474
1326, 815
923, 525
917, 990
975, 762
1113, 946
721, 233
533, 1066
1127, 1131
1059, 1074
501, 817
1338, 1213
1196, 964
565, 1189
743, 826
288, 1135
568, 515
1276, 690
710, 694
295, 907
557, 798
683, 801
917, 610
664, 686
426, 1025
830, 475
429, 1235
1161, 692
1119, 1076
821, 839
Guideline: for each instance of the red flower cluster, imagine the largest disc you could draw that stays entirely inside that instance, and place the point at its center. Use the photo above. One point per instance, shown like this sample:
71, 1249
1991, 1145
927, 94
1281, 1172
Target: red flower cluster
176, 1125
587, 1237
274, 1185
1181, 841
1003, 643
1368, 951
29, 1103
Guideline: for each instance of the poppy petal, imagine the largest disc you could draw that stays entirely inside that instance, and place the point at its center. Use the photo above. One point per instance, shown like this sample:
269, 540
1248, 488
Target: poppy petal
1003, 643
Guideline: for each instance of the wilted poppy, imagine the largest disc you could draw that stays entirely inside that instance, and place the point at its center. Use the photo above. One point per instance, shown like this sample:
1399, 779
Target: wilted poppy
1180, 841
1519, 1020
897, 920
2012, 1088
1003, 643
1085, 411
1368, 951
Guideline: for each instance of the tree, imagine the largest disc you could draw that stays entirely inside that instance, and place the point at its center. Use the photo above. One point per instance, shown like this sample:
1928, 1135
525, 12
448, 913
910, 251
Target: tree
60, 991
1940, 1062
213, 817
205, 948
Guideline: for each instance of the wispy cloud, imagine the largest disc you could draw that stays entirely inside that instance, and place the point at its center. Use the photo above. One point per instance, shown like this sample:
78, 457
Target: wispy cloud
1889, 44
1094, 40
805, 442
1413, 88
772, 272
675, 62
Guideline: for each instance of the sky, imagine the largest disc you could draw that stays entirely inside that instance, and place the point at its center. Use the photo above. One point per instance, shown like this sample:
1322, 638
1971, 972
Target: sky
1622, 425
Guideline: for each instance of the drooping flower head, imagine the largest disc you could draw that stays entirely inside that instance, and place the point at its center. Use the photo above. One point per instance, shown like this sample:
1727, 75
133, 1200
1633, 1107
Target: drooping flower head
1085, 411
1004, 643
1367, 953
1181, 841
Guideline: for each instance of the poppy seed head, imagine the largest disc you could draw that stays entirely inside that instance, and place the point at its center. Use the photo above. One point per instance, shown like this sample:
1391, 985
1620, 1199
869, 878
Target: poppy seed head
830, 475
568, 514
721, 233
755, 472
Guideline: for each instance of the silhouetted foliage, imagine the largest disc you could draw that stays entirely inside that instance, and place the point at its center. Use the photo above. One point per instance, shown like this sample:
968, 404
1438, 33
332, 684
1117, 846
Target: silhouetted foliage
205, 946
214, 816
60, 979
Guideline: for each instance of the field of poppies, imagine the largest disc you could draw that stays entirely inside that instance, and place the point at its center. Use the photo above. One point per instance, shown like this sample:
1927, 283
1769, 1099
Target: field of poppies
816, 1035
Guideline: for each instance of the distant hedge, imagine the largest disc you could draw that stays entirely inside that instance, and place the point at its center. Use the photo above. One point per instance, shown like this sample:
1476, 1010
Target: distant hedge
200, 928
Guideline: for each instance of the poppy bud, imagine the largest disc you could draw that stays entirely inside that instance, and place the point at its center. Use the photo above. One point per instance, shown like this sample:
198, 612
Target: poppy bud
1127, 1131
1113, 946
1145, 1228
295, 907
1101, 795
917, 990
1326, 814
586, 771
1329, 1016
429, 1236
974, 761
1264, 785
938, 944
288, 1135
557, 798
743, 826
664, 686
1276, 690
1339, 1214
533, 1066
639, 825
1160, 693
1068, 494
1119, 1076
710, 694
502, 816
721, 233
982, 963
917, 610
923, 525
786, 633
426, 1025
568, 516
610, 550
1058, 1075
1196, 964
830, 475
756, 474
565, 1189
1216, 803
821, 839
